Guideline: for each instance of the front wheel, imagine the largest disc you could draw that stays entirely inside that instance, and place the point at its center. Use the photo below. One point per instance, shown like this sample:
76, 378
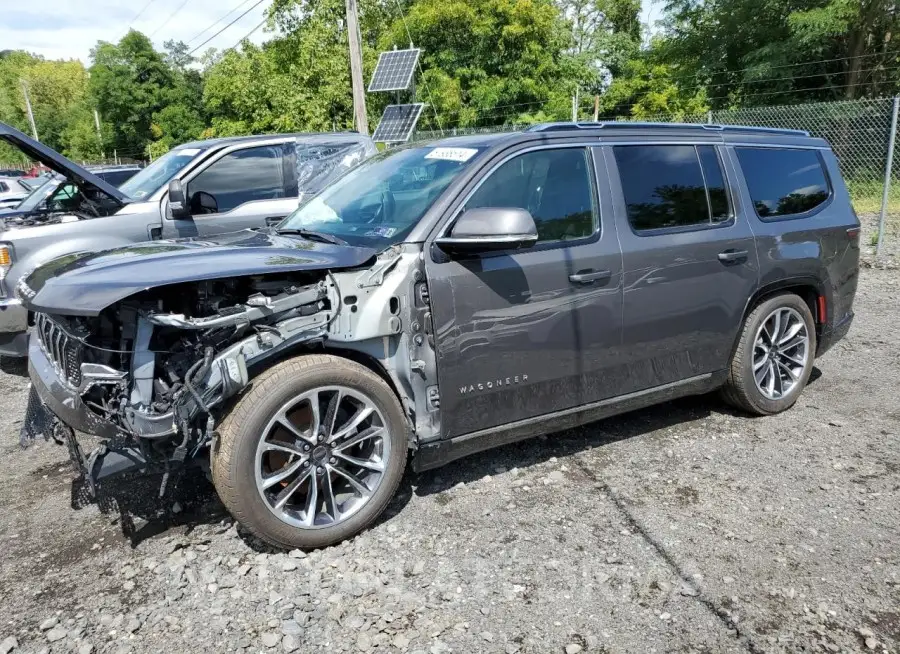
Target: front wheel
774, 357
312, 454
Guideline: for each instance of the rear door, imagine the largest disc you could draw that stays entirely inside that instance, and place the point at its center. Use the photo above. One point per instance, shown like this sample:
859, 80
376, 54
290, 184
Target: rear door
690, 261
528, 332
252, 185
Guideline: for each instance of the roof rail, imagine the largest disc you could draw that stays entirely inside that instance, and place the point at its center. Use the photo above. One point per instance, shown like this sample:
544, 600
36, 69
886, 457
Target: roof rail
562, 126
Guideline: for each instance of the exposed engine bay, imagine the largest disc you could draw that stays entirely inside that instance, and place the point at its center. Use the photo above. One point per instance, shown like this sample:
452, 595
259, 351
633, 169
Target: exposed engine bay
67, 203
156, 371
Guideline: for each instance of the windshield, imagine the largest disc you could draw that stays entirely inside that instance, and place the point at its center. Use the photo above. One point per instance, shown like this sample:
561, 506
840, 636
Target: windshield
379, 202
40, 194
156, 175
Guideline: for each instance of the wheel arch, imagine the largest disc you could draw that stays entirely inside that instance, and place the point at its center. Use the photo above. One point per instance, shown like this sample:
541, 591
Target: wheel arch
809, 289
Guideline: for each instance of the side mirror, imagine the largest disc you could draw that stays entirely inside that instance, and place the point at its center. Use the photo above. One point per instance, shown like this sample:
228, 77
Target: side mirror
177, 203
483, 230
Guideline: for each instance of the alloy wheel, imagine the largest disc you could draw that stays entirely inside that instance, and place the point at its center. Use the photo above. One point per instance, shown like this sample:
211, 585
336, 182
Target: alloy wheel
781, 353
321, 457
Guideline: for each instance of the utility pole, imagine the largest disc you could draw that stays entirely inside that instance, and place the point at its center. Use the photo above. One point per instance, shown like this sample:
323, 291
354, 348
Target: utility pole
30, 113
596, 108
356, 70
99, 135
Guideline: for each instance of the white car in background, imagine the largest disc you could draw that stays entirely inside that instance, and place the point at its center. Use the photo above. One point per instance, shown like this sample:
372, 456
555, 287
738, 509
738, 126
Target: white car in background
12, 191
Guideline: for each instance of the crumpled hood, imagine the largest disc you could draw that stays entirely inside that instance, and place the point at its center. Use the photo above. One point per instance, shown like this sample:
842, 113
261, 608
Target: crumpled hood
85, 284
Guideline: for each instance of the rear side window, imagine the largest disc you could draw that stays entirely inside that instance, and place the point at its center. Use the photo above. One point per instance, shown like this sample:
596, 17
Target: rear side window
672, 186
116, 177
242, 176
782, 182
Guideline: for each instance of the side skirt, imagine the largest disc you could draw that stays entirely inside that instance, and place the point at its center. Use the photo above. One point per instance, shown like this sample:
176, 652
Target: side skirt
438, 453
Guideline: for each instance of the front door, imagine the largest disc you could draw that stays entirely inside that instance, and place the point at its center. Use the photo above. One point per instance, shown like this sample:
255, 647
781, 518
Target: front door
528, 332
246, 187
689, 257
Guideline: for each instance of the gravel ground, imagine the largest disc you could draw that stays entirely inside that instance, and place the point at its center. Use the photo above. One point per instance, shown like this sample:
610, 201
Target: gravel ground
683, 528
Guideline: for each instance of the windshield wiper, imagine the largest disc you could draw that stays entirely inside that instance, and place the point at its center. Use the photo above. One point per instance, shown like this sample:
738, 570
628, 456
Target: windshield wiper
313, 235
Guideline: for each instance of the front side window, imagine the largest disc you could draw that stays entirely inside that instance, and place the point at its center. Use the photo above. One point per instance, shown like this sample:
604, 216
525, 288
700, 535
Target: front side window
237, 178
553, 185
784, 182
672, 186
152, 178
379, 202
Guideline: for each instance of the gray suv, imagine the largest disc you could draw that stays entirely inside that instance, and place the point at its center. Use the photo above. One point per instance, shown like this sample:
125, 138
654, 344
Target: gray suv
445, 298
229, 184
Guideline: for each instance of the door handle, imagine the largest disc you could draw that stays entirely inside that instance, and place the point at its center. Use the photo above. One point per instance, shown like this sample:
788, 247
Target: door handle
590, 276
731, 256
271, 221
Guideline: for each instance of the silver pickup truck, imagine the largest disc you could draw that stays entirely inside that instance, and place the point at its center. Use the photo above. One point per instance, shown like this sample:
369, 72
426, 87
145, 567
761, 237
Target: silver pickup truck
195, 190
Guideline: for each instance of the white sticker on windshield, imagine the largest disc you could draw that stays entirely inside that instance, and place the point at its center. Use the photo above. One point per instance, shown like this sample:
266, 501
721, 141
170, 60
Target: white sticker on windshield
452, 154
189, 152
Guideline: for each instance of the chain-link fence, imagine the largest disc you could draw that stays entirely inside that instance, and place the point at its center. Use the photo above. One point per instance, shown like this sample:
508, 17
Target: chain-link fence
858, 130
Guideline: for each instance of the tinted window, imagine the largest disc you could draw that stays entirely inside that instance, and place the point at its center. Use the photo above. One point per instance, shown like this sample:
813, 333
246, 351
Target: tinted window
669, 186
715, 183
116, 177
553, 185
783, 182
239, 177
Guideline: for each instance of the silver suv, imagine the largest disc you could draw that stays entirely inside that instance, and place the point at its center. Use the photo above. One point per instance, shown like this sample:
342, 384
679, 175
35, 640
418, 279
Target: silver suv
446, 298
222, 185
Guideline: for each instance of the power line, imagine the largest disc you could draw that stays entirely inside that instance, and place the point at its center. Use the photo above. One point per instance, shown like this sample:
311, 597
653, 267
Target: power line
140, 13
213, 24
247, 35
252, 7
171, 16
807, 63
781, 79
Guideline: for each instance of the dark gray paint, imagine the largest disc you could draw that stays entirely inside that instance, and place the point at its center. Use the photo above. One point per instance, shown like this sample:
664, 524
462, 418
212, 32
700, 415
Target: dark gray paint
683, 304
536, 339
515, 324
87, 284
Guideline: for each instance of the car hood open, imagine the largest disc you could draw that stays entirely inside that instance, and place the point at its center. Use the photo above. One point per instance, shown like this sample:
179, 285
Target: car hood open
85, 284
58, 163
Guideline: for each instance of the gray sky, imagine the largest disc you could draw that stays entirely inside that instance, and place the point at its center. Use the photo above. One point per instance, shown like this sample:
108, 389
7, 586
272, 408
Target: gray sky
68, 29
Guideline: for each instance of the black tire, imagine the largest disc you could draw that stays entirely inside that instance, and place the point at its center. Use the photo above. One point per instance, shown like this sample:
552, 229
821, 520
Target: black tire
740, 389
234, 458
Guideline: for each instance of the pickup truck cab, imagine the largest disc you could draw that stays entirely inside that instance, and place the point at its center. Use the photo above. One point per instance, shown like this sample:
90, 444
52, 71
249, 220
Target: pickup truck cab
231, 183
445, 298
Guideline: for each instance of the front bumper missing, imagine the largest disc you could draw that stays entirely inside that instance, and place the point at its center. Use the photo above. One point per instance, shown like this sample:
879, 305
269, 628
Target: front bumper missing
61, 399
105, 461
55, 411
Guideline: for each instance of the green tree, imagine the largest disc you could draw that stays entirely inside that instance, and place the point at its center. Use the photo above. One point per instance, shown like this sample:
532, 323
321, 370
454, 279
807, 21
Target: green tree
762, 52
130, 82
646, 88
491, 61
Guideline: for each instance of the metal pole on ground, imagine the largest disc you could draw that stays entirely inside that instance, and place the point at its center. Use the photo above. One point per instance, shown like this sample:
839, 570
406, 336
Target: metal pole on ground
888, 167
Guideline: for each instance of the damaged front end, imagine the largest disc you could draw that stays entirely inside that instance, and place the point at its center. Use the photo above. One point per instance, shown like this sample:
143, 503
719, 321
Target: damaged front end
153, 374
145, 371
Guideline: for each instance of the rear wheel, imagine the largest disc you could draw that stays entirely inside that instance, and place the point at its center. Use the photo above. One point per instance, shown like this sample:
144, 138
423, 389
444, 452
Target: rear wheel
774, 357
313, 453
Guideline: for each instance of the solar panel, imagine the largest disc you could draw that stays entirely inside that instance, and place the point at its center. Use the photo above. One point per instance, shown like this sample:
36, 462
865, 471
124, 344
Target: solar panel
397, 123
394, 71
